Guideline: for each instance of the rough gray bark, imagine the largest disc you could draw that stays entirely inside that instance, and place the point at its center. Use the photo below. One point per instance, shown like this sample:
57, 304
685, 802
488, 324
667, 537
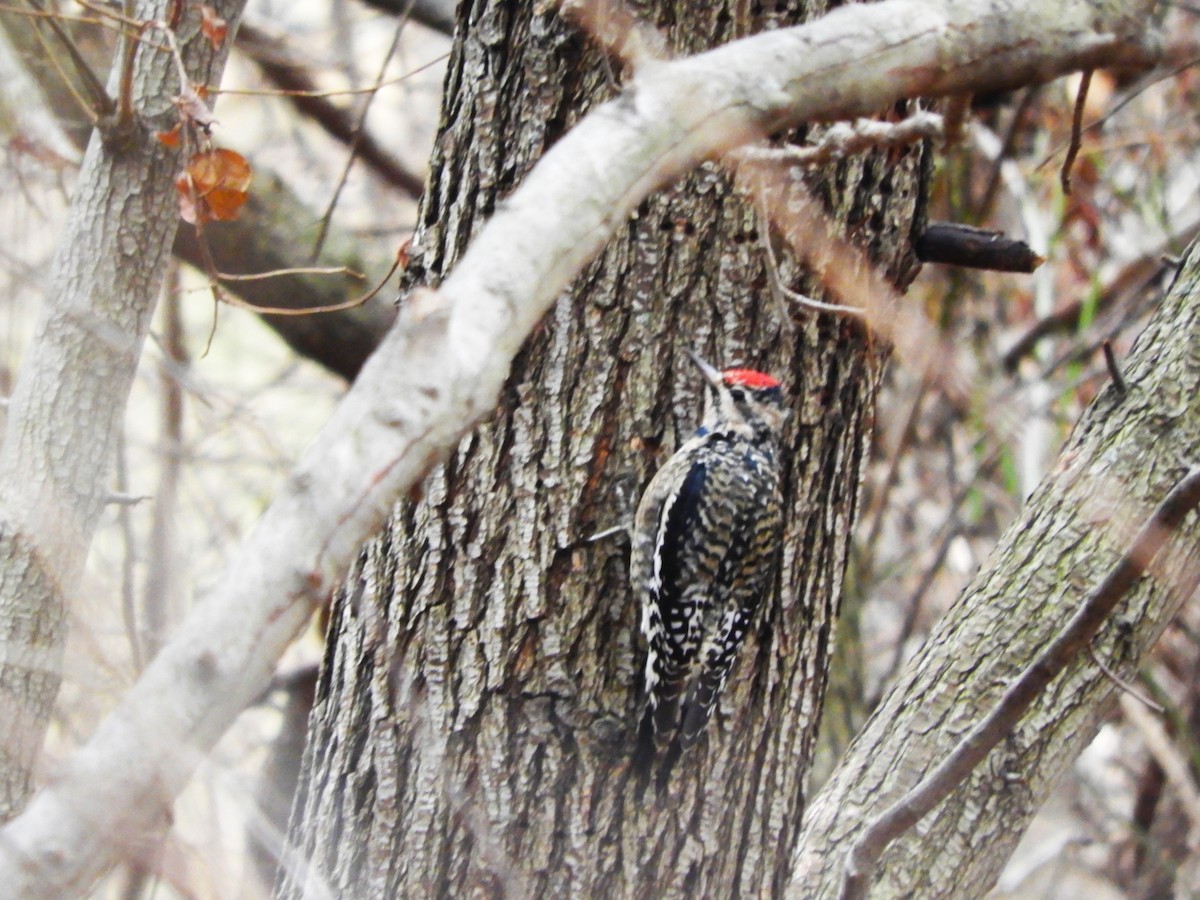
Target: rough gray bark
1124, 456
70, 397
477, 711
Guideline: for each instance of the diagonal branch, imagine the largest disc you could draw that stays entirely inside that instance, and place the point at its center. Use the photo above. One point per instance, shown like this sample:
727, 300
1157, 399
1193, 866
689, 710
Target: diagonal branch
441, 369
974, 748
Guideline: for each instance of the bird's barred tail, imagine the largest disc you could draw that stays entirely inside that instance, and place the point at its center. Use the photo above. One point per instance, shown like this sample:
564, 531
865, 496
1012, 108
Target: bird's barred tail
699, 707
645, 750
659, 725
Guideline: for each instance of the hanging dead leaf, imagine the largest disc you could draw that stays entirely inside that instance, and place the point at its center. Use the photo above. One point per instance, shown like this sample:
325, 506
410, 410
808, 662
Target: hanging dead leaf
212, 188
172, 138
213, 26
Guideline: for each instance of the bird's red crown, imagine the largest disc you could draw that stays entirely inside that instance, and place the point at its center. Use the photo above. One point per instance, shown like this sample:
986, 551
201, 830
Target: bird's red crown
749, 378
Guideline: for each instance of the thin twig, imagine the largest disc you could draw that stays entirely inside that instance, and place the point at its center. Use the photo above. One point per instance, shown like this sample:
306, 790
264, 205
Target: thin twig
125, 115
359, 133
210, 266
97, 101
131, 41
37, 13
780, 289
120, 498
1114, 370
984, 207
185, 83
1121, 683
1134, 277
913, 605
284, 70
1085, 82
972, 749
310, 310
332, 92
944, 535
1132, 93
123, 18
294, 270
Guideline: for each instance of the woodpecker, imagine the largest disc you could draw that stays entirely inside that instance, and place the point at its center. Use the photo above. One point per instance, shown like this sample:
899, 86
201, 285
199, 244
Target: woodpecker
704, 547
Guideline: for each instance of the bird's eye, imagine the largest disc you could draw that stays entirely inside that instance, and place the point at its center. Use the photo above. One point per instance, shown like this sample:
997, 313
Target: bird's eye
738, 395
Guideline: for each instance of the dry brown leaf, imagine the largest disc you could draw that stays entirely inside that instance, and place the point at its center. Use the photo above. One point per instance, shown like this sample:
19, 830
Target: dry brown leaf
212, 188
213, 26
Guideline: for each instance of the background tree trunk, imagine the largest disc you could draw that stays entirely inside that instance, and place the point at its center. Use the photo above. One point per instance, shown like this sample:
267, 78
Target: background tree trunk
476, 712
69, 401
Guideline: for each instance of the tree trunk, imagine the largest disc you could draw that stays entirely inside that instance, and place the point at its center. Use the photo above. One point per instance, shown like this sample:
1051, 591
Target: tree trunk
70, 397
1125, 455
476, 712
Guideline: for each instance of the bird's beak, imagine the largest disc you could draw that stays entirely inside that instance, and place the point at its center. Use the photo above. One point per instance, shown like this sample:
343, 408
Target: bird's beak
712, 375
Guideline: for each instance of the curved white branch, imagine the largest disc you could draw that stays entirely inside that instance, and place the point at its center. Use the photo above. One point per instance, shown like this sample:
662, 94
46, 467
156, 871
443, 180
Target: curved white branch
442, 367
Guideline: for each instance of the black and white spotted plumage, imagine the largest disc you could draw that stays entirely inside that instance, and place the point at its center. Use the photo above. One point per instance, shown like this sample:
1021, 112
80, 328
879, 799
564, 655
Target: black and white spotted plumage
705, 543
